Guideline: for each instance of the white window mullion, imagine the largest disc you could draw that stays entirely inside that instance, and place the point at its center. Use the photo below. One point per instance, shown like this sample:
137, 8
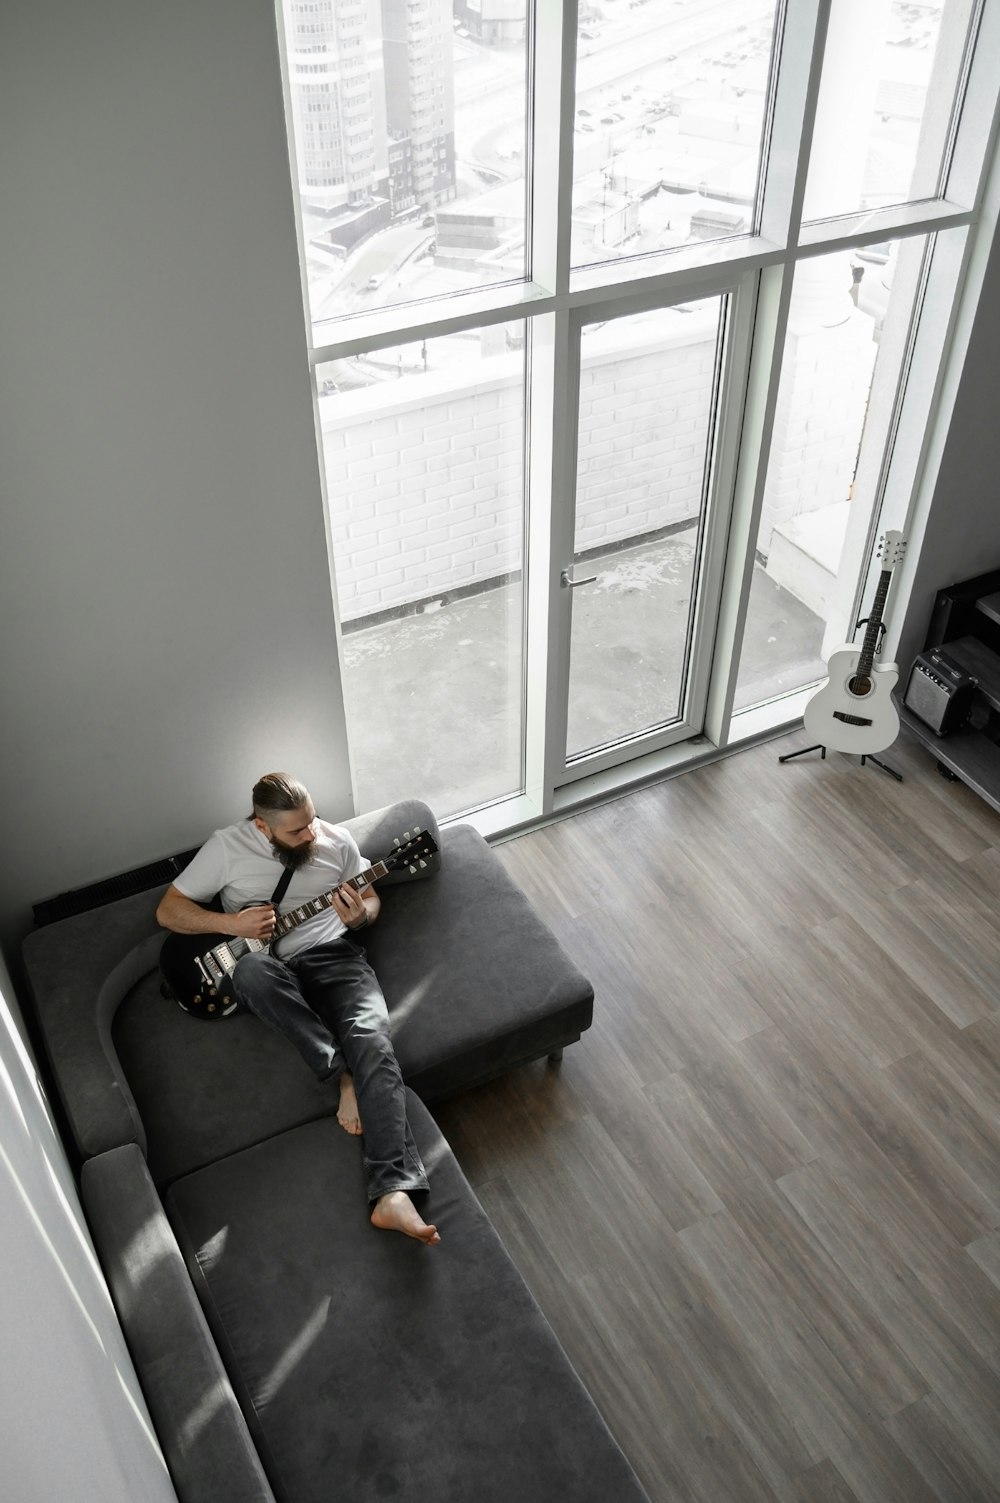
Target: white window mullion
766, 335
793, 114
553, 389
551, 113
553, 380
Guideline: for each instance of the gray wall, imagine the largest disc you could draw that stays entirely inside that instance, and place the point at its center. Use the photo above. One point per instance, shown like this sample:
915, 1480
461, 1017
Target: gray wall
166, 625
963, 531
166, 618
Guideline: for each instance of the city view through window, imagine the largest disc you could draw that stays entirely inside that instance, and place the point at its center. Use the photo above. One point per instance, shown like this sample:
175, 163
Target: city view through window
410, 124
411, 127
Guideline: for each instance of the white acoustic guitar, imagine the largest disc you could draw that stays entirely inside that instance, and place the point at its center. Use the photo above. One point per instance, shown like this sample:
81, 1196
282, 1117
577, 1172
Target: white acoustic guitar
854, 712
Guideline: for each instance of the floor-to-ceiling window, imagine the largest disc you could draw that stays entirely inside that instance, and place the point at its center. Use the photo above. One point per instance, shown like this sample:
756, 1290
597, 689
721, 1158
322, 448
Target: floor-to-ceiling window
618, 309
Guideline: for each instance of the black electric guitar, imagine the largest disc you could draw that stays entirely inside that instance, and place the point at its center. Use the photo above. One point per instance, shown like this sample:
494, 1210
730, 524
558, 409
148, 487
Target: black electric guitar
197, 969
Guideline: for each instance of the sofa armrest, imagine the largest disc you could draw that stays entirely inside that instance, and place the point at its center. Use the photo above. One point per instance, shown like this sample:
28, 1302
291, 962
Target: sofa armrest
78, 971
198, 1421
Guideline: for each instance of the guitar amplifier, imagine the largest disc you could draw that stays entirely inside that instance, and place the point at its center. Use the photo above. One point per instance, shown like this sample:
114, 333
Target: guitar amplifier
939, 691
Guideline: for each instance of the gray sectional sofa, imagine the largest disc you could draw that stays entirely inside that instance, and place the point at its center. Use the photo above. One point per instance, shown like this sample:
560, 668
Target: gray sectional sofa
286, 1349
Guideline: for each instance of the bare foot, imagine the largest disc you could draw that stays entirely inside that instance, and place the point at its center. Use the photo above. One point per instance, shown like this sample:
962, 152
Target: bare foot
396, 1212
347, 1111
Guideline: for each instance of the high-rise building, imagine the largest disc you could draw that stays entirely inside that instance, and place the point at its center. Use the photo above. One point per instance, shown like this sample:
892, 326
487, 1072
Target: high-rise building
420, 96
372, 106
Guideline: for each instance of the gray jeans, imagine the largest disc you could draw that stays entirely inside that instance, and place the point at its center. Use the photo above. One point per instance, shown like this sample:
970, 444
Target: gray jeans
328, 1003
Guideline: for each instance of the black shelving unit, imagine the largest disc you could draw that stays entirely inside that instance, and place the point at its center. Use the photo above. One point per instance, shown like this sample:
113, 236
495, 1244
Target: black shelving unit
965, 623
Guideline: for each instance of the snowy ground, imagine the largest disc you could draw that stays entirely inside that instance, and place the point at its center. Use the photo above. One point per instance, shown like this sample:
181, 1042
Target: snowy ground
434, 699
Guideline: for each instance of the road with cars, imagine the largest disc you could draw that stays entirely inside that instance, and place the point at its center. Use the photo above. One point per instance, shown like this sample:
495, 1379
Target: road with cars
636, 49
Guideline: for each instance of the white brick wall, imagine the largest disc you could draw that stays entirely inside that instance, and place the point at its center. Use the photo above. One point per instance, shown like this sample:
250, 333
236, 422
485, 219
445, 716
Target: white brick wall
424, 472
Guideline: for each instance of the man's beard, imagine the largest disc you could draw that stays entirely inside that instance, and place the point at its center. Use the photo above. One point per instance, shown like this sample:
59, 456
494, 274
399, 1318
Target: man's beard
293, 856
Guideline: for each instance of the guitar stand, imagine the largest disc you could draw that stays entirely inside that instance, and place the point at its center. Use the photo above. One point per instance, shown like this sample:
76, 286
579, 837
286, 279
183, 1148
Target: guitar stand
866, 757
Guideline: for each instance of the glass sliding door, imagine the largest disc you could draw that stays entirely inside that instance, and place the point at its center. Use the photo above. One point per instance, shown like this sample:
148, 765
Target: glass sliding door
648, 391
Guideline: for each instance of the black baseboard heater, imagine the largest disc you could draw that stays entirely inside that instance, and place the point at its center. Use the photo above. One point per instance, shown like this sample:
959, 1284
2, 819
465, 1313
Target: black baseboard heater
83, 899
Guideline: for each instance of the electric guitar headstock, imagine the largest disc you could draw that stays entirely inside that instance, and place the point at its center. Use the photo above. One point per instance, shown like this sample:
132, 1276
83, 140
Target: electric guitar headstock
412, 850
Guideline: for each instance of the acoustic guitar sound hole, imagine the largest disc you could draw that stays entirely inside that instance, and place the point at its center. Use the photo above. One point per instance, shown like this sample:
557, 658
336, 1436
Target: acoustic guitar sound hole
860, 686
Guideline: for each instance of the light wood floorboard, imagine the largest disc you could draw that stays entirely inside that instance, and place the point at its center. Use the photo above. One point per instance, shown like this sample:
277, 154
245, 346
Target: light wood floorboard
759, 1202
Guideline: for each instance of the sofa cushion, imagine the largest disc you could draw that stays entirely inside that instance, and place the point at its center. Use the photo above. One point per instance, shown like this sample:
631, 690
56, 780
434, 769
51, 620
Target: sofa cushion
200, 1426
372, 1367
475, 981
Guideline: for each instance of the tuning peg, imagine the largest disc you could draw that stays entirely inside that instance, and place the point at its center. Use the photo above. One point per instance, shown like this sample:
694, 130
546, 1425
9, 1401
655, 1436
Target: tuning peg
422, 862
395, 840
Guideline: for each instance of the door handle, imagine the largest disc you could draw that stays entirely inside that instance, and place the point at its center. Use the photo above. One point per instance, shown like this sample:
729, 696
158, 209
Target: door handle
573, 584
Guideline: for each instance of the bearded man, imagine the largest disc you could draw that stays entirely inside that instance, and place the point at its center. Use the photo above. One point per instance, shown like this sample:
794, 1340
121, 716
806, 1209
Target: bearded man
319, 992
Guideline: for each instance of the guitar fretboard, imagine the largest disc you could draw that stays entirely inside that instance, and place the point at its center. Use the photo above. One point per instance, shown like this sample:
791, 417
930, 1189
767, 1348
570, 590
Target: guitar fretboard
870, 643
289, 921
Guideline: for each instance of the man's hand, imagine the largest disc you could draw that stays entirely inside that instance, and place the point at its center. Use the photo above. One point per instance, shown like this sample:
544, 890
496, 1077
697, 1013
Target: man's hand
349, 905
253, 923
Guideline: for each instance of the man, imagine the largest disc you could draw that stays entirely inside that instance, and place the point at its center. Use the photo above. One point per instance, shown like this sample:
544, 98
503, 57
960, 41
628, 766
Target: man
320, 992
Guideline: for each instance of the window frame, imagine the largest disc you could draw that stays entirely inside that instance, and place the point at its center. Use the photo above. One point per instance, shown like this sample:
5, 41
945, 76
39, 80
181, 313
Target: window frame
756, 271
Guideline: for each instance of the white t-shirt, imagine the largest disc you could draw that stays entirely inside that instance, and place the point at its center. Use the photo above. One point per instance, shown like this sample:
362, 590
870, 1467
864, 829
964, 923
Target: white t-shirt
239, 862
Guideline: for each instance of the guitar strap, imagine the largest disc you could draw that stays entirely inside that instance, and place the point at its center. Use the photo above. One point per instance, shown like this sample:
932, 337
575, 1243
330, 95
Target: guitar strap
282, 887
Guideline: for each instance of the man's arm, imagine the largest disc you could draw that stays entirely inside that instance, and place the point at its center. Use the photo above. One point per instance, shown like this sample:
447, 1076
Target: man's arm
183, 915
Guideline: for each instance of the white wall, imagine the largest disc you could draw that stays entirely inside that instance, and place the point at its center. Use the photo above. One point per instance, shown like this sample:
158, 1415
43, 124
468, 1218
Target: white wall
166, 619
72, 1416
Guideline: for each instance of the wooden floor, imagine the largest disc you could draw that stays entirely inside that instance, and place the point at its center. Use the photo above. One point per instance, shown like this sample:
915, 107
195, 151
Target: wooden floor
759, 1201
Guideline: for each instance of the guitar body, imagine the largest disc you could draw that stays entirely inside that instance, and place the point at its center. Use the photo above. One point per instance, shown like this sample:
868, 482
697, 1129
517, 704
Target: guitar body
185, 981
853, 713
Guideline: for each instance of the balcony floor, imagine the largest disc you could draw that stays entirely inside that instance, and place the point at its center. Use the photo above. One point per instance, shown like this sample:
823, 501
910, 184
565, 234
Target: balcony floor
433, 699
